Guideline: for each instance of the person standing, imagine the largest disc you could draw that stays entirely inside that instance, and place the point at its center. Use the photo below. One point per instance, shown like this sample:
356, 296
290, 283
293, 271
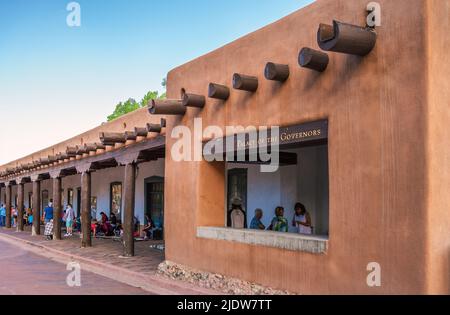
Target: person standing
48, 231
256, 223
148, 227
302, 219
69, 216
237, 219
14, 216
279, 222
3, 215
48, 212
29, 217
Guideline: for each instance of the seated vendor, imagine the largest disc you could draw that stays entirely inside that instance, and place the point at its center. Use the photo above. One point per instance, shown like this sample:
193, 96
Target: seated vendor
279, 222
256, 223
148, 227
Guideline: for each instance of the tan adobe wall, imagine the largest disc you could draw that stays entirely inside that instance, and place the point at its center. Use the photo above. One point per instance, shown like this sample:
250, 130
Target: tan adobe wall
438, 147
382, 186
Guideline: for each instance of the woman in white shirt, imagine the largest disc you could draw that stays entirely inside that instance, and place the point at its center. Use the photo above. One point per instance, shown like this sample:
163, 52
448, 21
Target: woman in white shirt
302, 219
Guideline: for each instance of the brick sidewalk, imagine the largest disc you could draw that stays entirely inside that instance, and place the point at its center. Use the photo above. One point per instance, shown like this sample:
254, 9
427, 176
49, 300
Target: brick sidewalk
105, 258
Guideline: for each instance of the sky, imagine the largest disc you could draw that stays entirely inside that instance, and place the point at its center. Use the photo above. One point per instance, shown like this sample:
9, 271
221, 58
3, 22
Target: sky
58, 81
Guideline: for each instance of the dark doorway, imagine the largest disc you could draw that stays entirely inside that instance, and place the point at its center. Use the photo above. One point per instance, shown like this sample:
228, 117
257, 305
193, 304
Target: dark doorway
30, 200
78, 202
237, 190
70, 197
44, 199
115, 201
154, 204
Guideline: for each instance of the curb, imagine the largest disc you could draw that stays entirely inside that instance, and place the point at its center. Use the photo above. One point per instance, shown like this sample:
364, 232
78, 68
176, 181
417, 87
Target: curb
152, 284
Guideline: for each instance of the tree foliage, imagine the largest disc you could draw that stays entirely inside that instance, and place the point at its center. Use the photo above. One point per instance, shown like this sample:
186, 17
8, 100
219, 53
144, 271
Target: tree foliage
131, 105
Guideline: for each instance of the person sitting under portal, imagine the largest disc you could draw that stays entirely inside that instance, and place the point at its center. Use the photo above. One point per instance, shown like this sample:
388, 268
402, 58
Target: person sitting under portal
302, 220
237, 214
148, 228
113, 219
279, 222
256, 223
104, 227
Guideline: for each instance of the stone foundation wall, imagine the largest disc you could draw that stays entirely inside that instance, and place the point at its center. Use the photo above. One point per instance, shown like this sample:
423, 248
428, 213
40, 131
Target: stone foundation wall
214, 281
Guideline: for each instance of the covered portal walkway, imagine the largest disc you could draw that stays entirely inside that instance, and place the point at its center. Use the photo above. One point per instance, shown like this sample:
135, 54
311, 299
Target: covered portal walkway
125, 150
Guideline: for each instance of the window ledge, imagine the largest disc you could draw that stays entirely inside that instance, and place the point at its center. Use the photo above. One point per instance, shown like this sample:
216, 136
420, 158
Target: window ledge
288, 241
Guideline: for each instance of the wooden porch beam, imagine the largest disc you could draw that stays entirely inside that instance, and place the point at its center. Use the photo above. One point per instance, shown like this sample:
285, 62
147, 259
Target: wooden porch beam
111, 138
140, 132
154, 128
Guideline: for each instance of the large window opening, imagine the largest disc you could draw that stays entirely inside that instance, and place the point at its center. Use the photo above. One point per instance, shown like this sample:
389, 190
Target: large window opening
298, 193
45, 199
294, 199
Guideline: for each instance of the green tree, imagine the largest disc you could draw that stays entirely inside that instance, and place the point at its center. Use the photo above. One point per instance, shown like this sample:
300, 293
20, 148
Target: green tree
123, 108
152, 95
164, 85
131, 105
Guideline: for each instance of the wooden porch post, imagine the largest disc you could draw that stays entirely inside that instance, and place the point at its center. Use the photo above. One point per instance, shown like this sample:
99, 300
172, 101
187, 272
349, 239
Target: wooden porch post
36, 229
86, 209
57, 208
8, 205
129, 195
20, 206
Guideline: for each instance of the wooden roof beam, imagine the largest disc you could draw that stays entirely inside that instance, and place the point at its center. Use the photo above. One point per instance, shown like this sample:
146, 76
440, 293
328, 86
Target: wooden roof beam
154, 128
167, 107
140, 132
346, 38
111, 138
313, 59
245, 82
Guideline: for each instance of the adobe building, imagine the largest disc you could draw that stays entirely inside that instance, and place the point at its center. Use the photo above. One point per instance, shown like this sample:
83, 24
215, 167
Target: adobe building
363, 145
376, 181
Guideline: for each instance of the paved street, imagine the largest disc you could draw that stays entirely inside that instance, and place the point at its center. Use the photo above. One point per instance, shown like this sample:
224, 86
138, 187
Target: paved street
22, 272
34, 260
